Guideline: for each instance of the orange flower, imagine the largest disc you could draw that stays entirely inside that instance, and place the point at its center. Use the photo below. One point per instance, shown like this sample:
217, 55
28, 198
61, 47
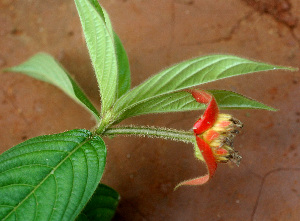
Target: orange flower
214, 134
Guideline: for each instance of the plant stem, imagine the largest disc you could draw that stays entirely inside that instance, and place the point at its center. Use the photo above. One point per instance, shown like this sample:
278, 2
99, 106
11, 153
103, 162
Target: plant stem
157, 132
105, 122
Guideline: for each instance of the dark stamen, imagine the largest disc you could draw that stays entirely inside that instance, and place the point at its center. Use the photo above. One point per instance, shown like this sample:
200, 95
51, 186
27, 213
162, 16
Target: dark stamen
237, 122
236, 158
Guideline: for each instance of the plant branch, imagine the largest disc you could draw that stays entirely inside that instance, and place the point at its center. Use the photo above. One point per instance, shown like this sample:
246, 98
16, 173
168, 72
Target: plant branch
154, 132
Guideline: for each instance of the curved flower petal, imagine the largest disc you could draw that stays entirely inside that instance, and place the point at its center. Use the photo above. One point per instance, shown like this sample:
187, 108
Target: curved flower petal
210, 115
210, 163
214, 134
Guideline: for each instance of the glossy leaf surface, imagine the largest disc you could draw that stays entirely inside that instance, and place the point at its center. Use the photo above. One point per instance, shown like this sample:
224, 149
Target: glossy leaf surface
102, 206
50, 177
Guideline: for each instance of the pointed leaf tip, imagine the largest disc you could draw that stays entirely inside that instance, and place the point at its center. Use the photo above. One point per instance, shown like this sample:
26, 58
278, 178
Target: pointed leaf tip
185, 75
44, 67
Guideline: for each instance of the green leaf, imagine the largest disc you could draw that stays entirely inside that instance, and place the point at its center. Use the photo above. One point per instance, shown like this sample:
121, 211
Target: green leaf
50, 177
188, 74
124, 80
102, 206
44, 67
106, 52
100, 42
184, 101
232, 100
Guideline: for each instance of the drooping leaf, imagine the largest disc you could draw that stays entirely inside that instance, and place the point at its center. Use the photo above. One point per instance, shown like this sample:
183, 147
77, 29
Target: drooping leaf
108, 56
50, 177
183, 101
188, 74
102, 206
44, 67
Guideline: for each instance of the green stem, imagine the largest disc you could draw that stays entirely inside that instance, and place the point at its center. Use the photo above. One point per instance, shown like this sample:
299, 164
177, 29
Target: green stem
105, 122
157, 132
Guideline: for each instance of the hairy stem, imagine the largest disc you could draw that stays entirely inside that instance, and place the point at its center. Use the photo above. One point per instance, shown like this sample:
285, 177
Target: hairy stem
157, 132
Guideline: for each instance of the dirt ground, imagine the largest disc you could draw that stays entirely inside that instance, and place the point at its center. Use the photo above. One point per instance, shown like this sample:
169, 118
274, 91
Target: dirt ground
157, 34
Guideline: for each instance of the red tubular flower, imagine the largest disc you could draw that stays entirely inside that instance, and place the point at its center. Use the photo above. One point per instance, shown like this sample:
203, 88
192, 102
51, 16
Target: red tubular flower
214, 134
